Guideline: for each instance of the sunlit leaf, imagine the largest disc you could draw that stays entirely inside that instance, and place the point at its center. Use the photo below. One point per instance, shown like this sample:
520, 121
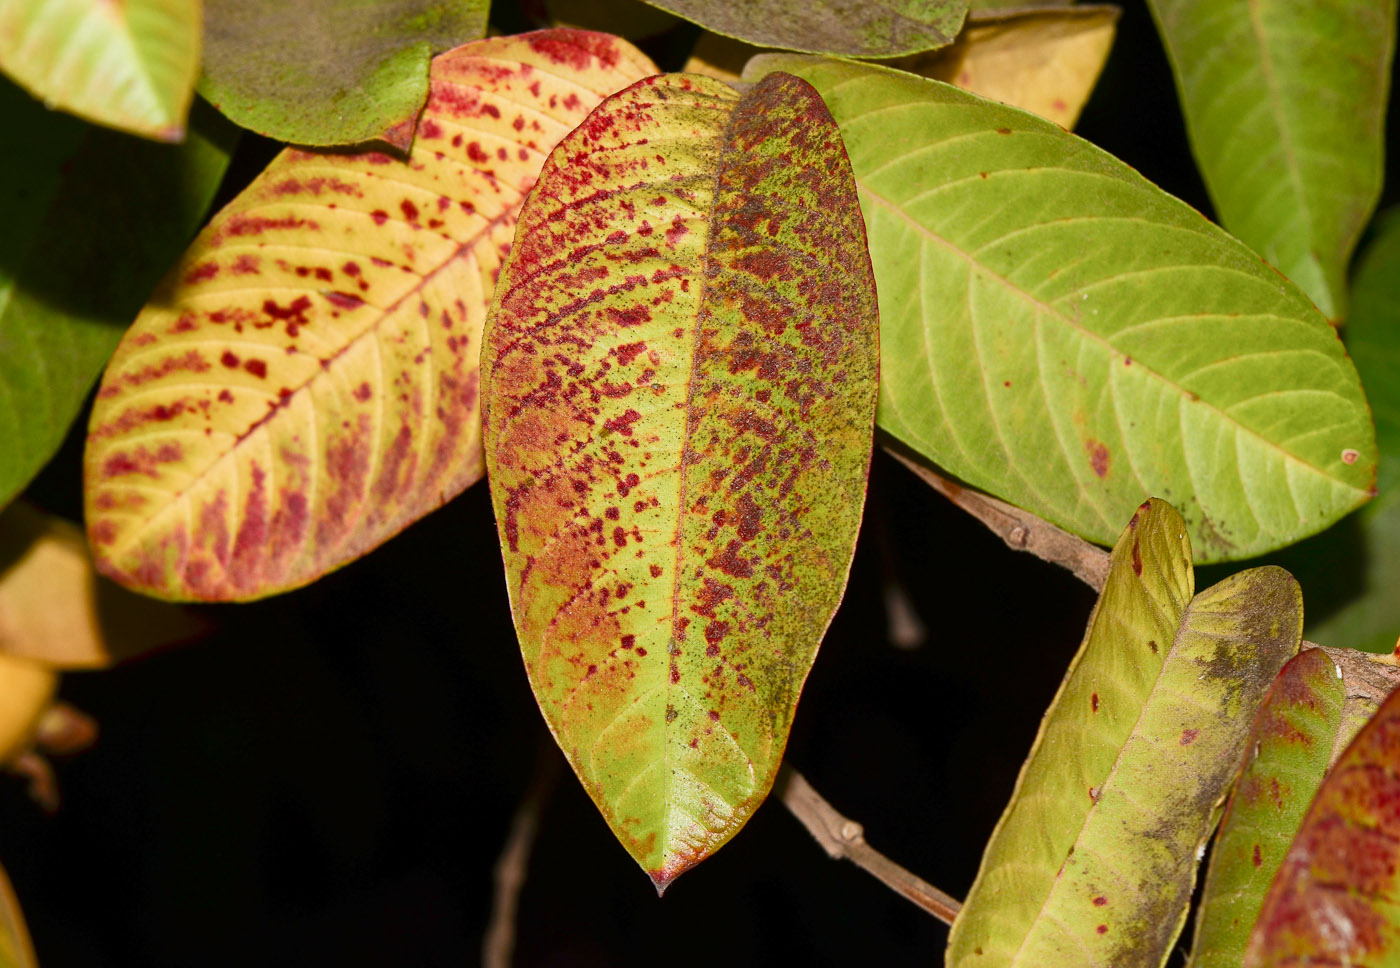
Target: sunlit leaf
1285, 103
304, 384
92, 219
55, 610
887, 28
1042, 60
1333, 901
1061, 333
680, 380
327, 72
1094, 861
128, 64
1369, 615
1287, 754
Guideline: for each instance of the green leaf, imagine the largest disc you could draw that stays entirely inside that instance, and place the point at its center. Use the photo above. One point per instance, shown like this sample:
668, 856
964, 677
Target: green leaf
328, 72
1063, 334
1369, 616
1094, 860
1333, 901
1287, 753
1285, 104
303, 385
128, 65
680, 383
93, 218
888, 28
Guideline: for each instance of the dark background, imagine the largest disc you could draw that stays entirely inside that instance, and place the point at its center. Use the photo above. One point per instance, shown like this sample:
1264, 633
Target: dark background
330, 776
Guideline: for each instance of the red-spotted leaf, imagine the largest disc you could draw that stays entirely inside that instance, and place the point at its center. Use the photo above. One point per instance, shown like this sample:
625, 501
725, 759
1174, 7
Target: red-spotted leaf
680, 383
1336, 897
304, 385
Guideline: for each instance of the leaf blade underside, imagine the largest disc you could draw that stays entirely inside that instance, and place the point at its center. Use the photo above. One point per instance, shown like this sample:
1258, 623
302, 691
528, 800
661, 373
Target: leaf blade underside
129, 65
1094, 860
1333, 899
1066, 336
304, 384
1285, 105
680, 375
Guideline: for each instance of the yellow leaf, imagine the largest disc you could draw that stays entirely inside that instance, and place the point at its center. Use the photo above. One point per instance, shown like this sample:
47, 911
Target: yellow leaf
1041, 60
16, 951
304, 384
26, 689
55, 610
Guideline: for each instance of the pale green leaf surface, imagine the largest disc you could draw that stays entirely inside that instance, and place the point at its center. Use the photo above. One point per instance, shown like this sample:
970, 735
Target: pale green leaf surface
1063, 334
1285, 104
1287, 753
80, 257
1370, 618
329, 72
884, 28
1094, 860
128, 64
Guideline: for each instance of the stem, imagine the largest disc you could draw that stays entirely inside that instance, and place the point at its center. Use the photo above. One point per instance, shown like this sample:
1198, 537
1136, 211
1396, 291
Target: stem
1020, 529
498, 944
842, 837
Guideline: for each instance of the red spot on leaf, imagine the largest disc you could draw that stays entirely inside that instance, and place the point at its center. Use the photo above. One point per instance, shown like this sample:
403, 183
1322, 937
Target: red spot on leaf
1099, 457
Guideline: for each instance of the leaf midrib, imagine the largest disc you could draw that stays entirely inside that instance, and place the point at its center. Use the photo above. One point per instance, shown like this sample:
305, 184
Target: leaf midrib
1181, 392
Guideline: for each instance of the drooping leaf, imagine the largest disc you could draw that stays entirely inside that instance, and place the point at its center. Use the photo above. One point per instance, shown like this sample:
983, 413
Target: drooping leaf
54, 609
1094, 861
885, 28
680, 379
1285, 104
1043, 60
16, 951
304, 384
129, 65
1287, 754
92, 219
1061, 333
1369, 618
327, 72
1333, 901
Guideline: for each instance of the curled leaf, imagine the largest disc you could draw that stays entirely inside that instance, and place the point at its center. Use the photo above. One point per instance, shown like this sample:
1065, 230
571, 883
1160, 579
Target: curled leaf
1094, 861
304, 384
1333, 899
680, 374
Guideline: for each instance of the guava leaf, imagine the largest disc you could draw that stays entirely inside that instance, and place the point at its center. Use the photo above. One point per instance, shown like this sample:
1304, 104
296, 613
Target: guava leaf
304, 383
16, 951
54, 610
680, 376
886, 28
128, 65
1043, 60
1285, 105
1333, 901
1369, 616
1094, 861
329, 72
1287, 755
92, 219
1059, 332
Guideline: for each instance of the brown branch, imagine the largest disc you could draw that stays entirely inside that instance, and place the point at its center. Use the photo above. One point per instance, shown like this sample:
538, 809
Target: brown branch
842, 837
1020, 529
498, 944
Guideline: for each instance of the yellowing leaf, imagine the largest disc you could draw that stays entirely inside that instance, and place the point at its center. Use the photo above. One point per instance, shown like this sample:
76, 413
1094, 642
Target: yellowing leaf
26, 689
680, 383
16, 951
56, 611
304, 384
1044, 61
